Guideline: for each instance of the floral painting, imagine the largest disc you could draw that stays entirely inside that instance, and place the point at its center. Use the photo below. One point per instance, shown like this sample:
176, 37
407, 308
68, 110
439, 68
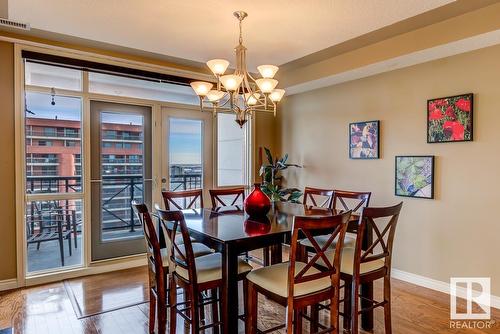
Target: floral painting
415, 176
449, 119
364, 140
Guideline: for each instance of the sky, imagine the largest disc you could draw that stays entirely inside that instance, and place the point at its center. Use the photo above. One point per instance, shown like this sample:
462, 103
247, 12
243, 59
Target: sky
185, 135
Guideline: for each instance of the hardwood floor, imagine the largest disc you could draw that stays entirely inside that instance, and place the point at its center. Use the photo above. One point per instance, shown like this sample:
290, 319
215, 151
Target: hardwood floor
49, 309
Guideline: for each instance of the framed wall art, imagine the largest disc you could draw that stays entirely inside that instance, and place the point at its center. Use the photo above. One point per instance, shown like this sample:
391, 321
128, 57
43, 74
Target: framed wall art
414, 176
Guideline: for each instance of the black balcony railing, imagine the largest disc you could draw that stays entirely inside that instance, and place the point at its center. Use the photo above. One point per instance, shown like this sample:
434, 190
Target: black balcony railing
117, 192
185, 181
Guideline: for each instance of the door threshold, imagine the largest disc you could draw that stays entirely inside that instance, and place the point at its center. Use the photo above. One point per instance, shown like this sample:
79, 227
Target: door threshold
97, 267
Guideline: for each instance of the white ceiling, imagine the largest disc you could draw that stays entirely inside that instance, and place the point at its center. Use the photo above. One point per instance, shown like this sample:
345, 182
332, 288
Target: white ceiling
275, 32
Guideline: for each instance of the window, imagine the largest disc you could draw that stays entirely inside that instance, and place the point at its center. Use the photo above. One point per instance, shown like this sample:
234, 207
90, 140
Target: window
53, 76
59, 153
69, 143
107, 145
142, 89
232, 151
50, 132
44, 143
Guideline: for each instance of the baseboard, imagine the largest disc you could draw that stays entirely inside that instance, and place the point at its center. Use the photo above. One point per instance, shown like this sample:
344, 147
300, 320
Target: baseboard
436, 285
8, 284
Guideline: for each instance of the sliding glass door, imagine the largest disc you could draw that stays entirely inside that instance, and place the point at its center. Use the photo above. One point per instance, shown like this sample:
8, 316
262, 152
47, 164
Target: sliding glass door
120, 173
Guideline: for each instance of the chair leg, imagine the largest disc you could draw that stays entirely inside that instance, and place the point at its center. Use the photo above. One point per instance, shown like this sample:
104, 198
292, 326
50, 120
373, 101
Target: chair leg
203, 317
314, 318
69, 245
195, 312
387, 306
334, 310
173, 307
297, 323
251, 308
152, 311
61, 246
347, 306
215, 310
162, 313
354, 307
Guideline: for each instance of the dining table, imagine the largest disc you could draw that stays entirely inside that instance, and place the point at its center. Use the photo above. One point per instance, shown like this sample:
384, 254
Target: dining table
230, 231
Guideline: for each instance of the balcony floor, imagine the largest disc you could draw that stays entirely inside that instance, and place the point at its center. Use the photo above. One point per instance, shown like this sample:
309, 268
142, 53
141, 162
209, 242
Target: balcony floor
48, 256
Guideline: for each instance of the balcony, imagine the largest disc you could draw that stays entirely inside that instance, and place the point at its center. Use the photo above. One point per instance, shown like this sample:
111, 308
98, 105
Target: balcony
52, 134
45, 219
117, 137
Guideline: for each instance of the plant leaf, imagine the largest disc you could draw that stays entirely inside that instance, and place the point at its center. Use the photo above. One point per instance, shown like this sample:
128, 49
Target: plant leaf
269, 156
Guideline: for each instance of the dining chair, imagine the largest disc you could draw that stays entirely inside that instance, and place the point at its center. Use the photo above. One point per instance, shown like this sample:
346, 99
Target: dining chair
313, 195
196, 276
350, 200
158, 270
297, 284
191, 199
227, 196
369, 260
343, 201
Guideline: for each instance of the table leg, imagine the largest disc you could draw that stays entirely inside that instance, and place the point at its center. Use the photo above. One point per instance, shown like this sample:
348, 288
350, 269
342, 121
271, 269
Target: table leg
366, 290
276, 254
229, 293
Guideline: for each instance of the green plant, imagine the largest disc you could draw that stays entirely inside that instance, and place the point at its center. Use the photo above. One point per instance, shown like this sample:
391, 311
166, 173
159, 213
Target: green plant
271, 179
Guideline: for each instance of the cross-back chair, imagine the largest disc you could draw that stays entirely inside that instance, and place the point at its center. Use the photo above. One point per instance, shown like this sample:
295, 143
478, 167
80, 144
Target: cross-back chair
342, 199
345, 201
189, 197
297, 284
219, 196
368, 261
194, 275
157, 270
312, 195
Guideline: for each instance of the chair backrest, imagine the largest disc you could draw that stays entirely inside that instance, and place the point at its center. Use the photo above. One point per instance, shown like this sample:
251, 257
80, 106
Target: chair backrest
155, 262
314, 195
189, 197
350, 200
219, 197
179, 255
307, 226
381, 225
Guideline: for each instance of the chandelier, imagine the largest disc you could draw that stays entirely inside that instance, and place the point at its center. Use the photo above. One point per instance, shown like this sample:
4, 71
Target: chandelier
239, 92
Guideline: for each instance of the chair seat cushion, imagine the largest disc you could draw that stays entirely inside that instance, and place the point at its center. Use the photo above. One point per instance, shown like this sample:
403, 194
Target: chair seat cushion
179, 240
275, 279
198, 250
347, 262
349, 240
209, 268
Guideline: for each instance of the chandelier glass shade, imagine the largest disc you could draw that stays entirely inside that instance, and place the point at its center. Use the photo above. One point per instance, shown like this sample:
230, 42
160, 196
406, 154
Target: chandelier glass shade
239, 92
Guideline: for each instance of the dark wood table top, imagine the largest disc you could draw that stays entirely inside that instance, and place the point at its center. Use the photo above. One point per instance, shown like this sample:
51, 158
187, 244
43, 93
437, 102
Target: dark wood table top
228, 224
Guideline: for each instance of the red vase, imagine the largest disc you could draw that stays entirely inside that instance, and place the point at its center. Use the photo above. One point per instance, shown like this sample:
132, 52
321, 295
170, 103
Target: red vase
257, 204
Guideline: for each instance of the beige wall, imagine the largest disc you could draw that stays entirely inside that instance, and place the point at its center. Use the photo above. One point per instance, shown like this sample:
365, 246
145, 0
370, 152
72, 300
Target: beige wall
456, 234
265, 136
7, 174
